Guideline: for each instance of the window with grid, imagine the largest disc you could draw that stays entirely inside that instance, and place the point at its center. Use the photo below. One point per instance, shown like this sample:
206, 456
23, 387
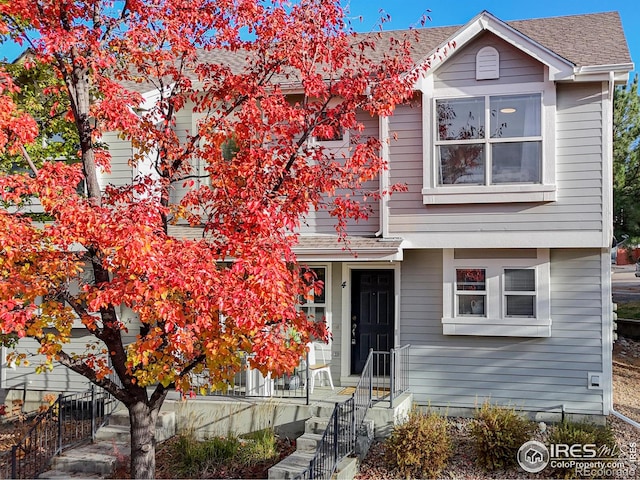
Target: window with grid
471, 291
520, 292
316, 308
496, 292
489, 140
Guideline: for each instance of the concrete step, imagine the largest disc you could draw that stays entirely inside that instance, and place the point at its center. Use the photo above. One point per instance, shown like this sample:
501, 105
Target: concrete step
347, 469
316, 425
290, 466
119, 417
325, 410
120, 433
99, 459
364, 439
165, 426
308, 442
57, 474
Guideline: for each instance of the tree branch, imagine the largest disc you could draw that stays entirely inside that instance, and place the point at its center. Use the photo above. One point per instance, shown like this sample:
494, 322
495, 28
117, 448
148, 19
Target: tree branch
27, 157
161, 390
83, 369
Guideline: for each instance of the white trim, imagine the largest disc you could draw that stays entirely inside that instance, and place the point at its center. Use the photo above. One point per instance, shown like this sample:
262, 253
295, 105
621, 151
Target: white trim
434, 194
494, 322
346, 378
607, 161
501, 238
3, 367
613, 67
607, 331
559, 68
383, 123
489, 194
338, 145
607, 234
328, 293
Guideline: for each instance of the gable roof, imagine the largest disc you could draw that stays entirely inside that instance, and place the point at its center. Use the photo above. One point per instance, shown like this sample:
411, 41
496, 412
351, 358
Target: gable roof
580, 41
585, 40
571, 44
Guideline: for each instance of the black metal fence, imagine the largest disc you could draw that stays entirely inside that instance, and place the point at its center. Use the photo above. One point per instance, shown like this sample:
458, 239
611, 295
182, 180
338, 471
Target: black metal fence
338, 441
71, 420
385, 376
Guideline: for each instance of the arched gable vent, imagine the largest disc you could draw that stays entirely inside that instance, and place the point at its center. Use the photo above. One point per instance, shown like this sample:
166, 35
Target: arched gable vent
487, 64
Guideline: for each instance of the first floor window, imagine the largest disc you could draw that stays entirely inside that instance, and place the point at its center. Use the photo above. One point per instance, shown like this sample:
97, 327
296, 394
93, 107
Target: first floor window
496, 292
316, 308
520, 292
471, 291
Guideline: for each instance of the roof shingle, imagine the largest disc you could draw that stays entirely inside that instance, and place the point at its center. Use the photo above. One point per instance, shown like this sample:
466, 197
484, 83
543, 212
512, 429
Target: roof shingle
584, 40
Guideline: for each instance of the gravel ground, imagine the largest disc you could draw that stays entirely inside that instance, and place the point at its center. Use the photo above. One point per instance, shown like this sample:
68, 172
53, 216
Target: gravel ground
626, 386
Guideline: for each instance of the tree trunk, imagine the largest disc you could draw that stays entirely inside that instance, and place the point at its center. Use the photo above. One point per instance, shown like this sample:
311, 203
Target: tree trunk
143, 440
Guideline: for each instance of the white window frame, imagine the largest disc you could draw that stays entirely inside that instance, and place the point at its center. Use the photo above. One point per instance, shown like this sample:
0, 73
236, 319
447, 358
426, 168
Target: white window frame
341, 145
494, 321
545, 191
327, 293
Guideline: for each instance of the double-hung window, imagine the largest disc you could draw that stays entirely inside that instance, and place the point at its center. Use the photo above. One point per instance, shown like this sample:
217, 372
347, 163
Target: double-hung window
489, 140
496, 292
316, 308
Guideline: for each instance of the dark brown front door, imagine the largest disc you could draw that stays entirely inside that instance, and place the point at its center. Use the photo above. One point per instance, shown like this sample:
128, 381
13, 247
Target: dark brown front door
372, 312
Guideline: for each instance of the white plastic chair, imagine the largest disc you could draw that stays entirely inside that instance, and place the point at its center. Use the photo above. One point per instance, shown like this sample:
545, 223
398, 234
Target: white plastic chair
317, 368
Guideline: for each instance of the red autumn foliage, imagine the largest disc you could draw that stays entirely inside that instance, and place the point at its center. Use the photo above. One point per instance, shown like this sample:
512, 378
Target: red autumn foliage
262, 76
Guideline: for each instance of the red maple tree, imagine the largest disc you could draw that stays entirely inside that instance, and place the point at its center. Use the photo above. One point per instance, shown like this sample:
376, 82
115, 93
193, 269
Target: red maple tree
263, 78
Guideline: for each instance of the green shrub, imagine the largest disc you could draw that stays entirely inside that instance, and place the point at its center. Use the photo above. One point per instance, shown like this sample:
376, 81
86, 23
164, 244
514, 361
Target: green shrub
420, 447
259, 447
573, 433
498, 433
194, 457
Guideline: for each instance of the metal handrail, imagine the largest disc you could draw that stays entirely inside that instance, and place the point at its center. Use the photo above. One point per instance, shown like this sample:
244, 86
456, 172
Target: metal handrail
71, 419
347, 418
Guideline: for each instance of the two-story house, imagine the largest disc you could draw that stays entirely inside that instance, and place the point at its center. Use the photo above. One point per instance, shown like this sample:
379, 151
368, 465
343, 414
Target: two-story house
494, 264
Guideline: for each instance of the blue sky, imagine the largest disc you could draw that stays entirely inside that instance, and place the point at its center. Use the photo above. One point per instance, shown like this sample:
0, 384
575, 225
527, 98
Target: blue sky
407, 13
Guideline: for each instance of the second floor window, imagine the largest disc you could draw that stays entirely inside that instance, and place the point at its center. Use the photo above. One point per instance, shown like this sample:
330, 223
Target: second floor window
489, 140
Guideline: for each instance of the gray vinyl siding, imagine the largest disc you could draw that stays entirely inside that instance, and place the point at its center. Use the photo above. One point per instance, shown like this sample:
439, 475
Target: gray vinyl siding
579, 177
515, 66
319, 221
60, 379
183, 128
121, 172
537, 374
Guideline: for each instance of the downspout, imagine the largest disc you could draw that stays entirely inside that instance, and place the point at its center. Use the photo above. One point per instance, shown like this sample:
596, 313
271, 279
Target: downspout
383, 217
605, 261
625, 418
613, 412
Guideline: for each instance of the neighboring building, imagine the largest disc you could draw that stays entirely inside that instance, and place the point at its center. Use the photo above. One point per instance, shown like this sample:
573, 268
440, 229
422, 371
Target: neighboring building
495, 264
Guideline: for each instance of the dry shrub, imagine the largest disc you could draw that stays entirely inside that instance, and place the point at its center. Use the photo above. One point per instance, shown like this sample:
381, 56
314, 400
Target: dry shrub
420, 447
498, 433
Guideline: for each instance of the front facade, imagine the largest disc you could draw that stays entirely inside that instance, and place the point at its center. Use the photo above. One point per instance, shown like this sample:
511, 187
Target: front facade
494, 265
